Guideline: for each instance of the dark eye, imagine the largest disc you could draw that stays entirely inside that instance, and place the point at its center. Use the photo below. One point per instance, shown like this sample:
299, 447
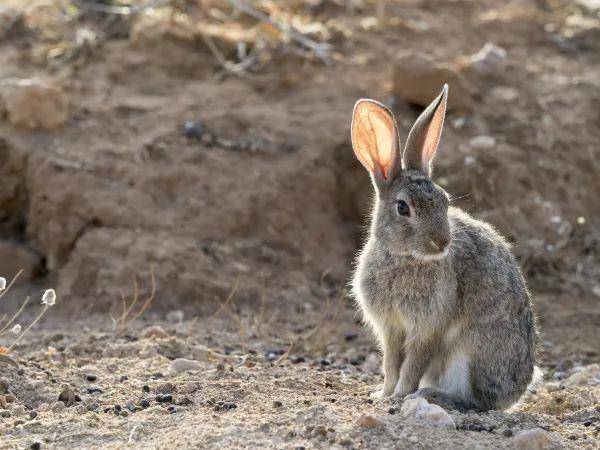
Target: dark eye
402, 208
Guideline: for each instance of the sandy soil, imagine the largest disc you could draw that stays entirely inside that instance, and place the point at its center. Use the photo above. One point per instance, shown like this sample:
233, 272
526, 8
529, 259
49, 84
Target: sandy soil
266, 201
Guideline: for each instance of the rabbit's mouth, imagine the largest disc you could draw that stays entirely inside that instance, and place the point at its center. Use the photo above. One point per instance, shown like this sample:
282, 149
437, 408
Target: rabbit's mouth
427, 257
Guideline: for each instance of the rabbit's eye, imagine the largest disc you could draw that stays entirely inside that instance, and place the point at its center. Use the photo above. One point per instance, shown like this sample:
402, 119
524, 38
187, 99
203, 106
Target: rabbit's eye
402, 208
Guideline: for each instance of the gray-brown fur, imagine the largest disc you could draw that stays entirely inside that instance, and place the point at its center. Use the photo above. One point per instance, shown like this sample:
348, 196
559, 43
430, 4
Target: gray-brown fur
461, 324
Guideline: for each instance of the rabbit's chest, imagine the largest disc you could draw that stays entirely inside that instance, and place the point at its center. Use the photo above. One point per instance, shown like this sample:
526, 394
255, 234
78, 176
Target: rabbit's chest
412, 295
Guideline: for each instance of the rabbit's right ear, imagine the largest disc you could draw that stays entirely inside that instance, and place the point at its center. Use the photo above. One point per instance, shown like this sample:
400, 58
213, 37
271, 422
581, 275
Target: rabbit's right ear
424, 137
375, 140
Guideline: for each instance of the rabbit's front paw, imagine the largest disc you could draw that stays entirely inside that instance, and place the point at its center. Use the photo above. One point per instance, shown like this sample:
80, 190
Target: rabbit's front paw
379, 395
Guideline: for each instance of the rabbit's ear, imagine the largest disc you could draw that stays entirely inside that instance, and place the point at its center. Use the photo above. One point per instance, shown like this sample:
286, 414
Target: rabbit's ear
375, 140
424, 136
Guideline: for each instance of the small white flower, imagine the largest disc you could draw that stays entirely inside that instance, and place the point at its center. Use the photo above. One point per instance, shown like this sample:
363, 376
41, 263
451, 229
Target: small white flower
16, 329
49, 297
2, 283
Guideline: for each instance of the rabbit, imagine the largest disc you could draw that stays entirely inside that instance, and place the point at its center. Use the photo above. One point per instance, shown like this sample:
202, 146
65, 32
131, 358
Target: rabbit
441, 290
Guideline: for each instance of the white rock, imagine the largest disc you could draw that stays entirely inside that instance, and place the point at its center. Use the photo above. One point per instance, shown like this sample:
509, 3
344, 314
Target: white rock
536, 439
175, 316
421, 409
504, 93
584, 376
183, 365
489, 59
482, 142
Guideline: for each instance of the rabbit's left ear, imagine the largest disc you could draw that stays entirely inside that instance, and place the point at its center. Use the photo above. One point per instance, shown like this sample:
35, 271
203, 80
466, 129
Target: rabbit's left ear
424, 136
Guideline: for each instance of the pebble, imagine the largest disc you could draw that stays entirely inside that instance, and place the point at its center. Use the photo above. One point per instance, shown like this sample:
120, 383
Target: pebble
91, 377
225, 406
35, 446
489, 59
92, 407
193, 129
505, 93
155, 331
5, 413
67, 395
33, 415
350, 336
130, 405
175, 316
164, 398
296, 359
368, 421
117, 409
482, 142
146, 388
144, 403
535, 439
421, 409
57, 406
277, 404
183, 365
94, 390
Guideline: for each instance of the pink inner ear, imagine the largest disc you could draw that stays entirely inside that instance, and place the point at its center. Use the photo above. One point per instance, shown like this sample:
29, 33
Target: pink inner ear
432, 136
373, 137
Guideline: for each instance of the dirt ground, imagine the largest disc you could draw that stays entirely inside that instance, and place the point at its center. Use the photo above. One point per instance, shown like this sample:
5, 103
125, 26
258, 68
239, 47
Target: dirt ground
231, 198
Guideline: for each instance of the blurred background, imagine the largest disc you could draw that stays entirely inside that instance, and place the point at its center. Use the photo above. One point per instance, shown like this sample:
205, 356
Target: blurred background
205, 144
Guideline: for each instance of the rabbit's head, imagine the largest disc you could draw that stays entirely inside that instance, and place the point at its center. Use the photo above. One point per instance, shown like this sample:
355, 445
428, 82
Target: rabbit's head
411, 211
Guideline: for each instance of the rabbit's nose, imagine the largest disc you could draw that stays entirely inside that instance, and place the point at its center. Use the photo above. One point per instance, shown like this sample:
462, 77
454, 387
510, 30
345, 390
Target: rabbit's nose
440, 242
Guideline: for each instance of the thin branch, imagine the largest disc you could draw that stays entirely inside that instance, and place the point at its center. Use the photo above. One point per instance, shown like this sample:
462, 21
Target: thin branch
320, 49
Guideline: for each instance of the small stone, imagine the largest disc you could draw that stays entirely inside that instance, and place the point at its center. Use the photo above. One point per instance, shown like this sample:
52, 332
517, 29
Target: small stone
421, 409
35, 446
123, 378
67, 395
296, 359
184, 365
175, 316
392, 410
32, 415
92, 407
350, 336
146, 388
489, 59
164, 398
193, 129
5, 413
535, 439
482, 142
94, 390
277, 404
144, 403
507, 433
504, 93
91, 377
57, 406
117, 409
324, 362
130, 405
155, 331
368, 421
